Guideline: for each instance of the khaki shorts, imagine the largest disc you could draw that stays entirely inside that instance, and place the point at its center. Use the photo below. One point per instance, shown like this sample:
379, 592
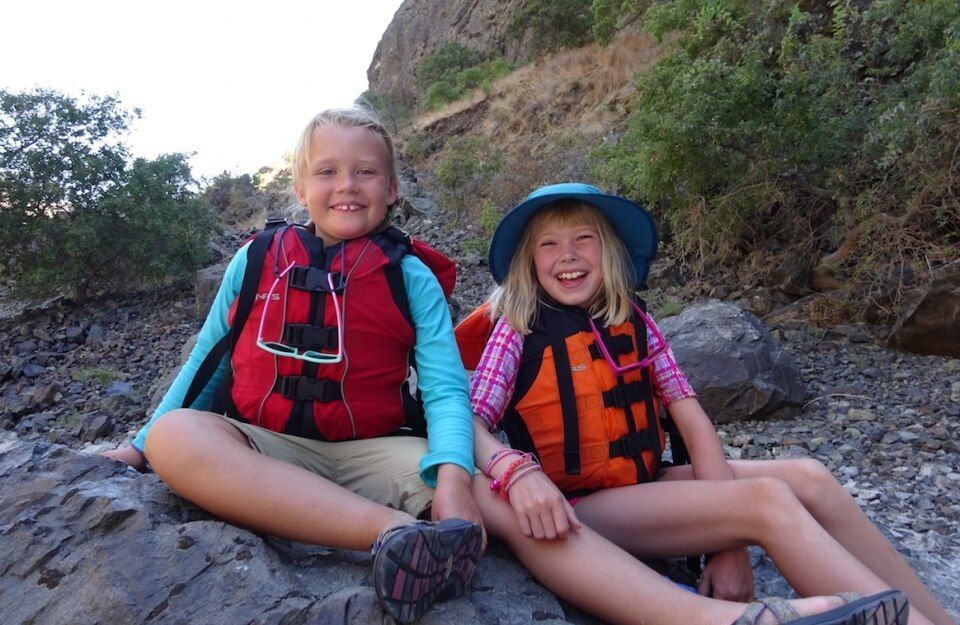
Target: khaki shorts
385, 470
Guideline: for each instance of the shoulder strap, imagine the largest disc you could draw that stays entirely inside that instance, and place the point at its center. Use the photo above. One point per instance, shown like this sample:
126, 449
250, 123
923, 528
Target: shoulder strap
256, 254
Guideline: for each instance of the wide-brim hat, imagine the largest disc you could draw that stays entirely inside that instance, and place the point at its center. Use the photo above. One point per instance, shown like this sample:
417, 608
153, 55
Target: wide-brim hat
630, 221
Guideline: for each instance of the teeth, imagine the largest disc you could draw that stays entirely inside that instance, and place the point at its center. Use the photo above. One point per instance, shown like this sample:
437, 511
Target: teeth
572, 275
347, 207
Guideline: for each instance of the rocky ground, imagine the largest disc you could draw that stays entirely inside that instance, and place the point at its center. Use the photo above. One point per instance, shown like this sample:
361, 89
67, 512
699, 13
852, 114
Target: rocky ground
886, 423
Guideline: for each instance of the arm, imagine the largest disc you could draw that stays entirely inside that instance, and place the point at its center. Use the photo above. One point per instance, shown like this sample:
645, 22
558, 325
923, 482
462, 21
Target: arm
442, 381
214, 328
541, 509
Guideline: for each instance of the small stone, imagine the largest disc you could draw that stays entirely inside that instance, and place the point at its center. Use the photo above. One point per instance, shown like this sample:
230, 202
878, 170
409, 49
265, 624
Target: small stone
32, 370
907, 437
858, 414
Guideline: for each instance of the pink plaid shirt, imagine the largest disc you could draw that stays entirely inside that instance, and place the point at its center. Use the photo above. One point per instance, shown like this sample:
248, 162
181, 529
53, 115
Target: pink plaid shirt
492, 384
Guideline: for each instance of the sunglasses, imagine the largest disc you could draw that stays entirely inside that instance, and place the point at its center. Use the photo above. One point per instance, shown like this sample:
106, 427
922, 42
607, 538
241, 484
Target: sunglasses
617, 369
279, 349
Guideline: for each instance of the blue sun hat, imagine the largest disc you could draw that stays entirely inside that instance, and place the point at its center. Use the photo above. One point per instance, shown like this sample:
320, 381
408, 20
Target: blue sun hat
629, 219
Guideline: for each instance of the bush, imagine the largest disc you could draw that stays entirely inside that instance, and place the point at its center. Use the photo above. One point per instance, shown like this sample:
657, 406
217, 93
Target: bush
75, 215
553, 24
829, 132
463, 174
454, 70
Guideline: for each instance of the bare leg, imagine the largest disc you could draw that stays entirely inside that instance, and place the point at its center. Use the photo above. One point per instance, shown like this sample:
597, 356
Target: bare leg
208, 461
606, 581
840, 515
688, 517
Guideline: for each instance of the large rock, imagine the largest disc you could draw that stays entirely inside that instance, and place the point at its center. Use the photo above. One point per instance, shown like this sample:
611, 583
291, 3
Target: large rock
738, 369
86, 539
930, 320
421, 27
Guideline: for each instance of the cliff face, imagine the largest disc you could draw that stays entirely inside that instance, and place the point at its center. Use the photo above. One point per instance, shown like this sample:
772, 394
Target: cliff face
420, 27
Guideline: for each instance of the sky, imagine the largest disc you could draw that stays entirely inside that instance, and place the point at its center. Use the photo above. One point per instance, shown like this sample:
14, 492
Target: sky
232, 82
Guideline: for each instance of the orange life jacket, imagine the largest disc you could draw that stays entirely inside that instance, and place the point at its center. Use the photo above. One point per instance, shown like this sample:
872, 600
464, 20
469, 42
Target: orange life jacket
590, 428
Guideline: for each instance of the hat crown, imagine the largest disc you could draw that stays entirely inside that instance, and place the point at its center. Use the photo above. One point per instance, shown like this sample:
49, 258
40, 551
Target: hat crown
564, 188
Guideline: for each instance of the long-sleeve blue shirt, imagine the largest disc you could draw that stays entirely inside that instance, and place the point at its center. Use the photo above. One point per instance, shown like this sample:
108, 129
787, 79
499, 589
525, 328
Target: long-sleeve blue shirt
441, 377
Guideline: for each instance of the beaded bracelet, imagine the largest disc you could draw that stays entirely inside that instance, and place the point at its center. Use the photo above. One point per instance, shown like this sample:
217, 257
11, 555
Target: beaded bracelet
499, 455
500, 483
530, 468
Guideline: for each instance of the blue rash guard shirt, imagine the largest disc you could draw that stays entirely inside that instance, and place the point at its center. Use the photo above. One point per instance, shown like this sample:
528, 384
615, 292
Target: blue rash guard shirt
441, 377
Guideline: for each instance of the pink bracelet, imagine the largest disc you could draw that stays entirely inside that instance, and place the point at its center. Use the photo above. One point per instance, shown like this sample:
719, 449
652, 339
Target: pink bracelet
497, 456
530, 468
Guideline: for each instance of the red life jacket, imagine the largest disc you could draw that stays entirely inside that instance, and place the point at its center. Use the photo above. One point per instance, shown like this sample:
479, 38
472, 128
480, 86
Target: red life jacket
366, 394
590, 428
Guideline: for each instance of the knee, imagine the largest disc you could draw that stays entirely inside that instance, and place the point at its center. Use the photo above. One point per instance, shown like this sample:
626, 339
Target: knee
771, 502
170, 435
814, 482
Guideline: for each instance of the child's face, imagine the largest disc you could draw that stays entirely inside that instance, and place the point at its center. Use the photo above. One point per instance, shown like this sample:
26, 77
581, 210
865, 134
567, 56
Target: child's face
568, 262
347, 187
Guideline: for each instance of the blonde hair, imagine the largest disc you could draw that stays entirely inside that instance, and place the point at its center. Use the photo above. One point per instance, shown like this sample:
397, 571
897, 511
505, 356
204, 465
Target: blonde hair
361, 115
519, 294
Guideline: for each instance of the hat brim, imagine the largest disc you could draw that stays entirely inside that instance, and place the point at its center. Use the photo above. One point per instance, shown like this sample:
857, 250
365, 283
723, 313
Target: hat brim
630, 220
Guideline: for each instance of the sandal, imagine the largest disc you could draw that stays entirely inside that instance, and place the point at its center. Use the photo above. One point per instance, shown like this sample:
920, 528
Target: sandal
889, 607
413, 565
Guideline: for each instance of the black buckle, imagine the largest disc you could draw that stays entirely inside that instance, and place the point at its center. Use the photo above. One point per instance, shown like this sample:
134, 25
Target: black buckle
616, 346
315, 279
302, 388
623, 395
314, 338
631, 445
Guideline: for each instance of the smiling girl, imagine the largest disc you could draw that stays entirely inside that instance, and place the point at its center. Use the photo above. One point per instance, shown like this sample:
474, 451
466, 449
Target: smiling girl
574, 373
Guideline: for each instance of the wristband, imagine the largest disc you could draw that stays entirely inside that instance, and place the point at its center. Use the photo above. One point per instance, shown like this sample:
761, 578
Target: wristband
497, 456
529, 468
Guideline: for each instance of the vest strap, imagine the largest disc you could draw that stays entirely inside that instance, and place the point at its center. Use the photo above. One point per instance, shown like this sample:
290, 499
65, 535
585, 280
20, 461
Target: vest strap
616, 345
306, 336
314, 279
634, 444
568, 407
302, 388
623, 396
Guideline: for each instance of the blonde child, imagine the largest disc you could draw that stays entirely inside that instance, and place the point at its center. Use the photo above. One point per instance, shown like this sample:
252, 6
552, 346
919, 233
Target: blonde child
573, 372
286, 423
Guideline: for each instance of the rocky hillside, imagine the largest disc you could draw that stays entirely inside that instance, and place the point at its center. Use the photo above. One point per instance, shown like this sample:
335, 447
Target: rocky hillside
420, 27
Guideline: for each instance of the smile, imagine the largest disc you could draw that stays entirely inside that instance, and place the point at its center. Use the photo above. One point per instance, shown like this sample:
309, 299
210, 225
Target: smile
347, 208
571, 275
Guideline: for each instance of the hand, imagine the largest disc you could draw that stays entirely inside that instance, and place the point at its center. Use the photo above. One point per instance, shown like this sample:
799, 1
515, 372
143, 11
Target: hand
453, 498
542, 510
127, 454
728, 575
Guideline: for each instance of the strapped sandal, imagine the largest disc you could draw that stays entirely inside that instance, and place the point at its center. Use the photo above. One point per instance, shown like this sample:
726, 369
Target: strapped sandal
414, 565
886, 608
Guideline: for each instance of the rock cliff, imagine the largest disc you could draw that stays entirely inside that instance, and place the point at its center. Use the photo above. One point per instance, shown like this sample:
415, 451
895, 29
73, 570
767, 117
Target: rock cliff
420, 27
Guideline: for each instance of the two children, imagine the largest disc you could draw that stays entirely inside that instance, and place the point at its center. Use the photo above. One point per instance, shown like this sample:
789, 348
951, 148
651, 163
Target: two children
573, 372
284, 418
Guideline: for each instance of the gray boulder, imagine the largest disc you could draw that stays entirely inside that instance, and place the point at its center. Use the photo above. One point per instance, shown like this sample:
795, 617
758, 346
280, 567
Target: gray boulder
82, 537
930, 320
738, 369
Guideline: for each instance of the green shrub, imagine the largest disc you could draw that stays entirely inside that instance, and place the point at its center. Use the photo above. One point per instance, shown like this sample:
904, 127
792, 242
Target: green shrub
553, 24
75, 215
463, 173
100, 375
453, 71
829, 132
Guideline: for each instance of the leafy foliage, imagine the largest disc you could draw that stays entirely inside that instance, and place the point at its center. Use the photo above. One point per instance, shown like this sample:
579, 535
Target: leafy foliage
831, 128
454, 70
75, 214
554, 24
464, 172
